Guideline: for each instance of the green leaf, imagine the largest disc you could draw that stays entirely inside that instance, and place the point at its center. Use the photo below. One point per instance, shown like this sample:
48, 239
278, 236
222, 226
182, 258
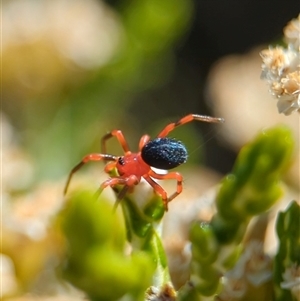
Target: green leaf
95, 259
250, 189
253, 186
288, 254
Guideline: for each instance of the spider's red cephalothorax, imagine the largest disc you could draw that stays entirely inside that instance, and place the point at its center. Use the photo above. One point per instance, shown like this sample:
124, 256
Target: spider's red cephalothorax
161, 152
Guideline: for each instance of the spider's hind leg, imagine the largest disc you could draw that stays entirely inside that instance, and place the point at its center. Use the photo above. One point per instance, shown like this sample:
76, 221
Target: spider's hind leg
169, 176
186, 119
158, 189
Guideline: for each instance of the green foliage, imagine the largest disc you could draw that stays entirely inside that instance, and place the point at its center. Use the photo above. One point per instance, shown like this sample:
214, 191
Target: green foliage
253, 186
143, 233
96, 260
96, 238
251, 189
288, 255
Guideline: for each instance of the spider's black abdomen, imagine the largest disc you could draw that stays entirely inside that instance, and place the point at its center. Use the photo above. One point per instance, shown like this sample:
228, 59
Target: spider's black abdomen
164, 153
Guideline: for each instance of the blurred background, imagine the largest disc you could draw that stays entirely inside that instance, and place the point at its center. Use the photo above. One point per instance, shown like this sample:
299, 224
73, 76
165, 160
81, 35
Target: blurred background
72, 70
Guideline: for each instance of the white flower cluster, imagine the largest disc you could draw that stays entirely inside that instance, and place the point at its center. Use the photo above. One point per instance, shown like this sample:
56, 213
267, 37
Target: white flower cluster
281, 69
291, 281
253, 269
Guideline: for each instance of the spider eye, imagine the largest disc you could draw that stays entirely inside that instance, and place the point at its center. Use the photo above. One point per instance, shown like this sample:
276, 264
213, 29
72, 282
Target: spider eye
164, 153
121, 161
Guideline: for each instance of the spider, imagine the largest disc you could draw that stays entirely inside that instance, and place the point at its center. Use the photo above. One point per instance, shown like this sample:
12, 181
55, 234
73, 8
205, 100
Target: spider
161, 152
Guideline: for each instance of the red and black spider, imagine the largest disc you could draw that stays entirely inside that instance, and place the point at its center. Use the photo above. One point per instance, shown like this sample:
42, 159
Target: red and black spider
161, 152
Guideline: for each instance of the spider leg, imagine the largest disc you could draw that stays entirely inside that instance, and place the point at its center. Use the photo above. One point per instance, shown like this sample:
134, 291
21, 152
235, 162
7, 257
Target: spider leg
158, 189
120, 137
186, 119
174, 176
143, 141
86, 159
127, 182
120, 197
109, 167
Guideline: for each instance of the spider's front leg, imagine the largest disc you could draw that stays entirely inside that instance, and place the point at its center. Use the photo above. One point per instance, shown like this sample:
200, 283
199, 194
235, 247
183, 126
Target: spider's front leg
127, 182
86, 159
